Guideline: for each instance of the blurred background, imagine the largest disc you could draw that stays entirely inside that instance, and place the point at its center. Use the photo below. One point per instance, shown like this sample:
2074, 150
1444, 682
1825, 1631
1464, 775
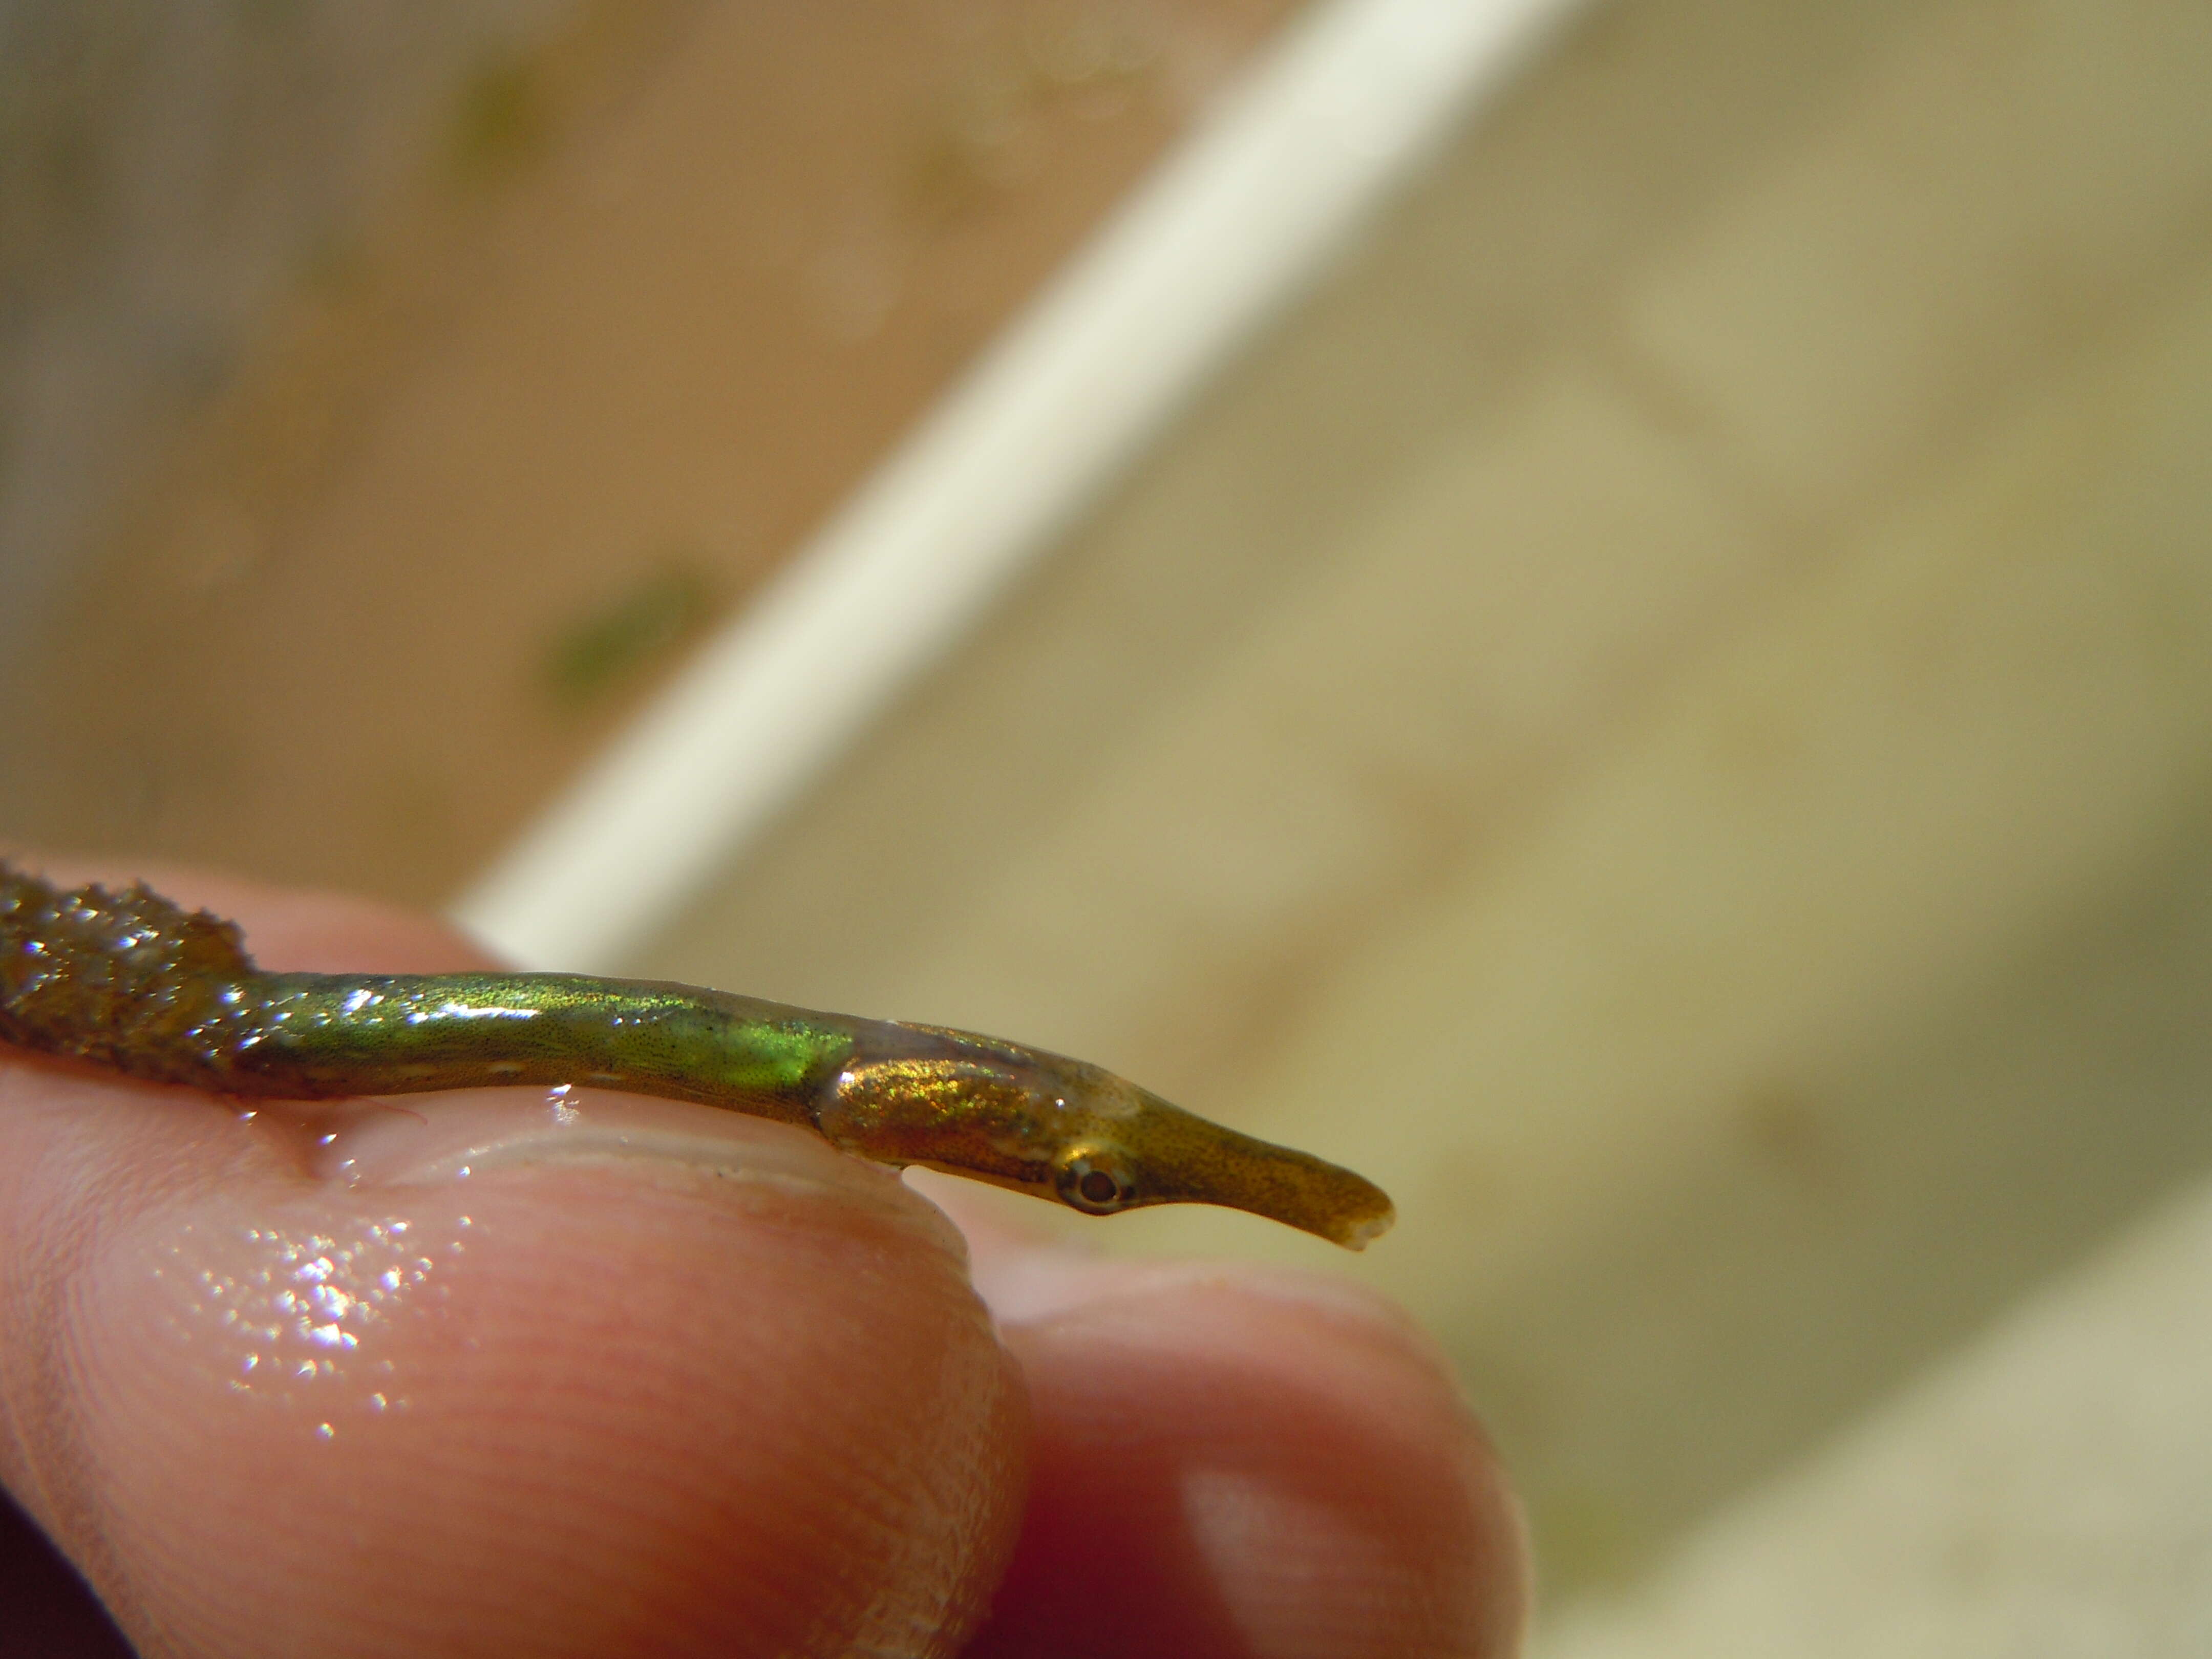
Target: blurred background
1652, 691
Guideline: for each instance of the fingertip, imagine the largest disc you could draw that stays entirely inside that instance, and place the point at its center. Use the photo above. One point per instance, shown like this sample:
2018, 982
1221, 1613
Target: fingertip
592, 1402
1281, 1462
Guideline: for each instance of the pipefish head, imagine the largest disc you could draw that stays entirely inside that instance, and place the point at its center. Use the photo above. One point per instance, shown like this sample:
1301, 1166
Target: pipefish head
1061, 1128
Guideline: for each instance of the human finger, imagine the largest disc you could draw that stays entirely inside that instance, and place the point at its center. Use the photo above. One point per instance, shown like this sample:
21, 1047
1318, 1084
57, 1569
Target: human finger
488, 1373
1240, 1461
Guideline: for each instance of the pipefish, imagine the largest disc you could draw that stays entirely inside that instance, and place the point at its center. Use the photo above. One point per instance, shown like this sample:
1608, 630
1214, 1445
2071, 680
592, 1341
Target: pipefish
131, 980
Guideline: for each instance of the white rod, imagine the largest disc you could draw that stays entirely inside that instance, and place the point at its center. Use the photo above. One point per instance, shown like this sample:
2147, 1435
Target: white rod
1236, 223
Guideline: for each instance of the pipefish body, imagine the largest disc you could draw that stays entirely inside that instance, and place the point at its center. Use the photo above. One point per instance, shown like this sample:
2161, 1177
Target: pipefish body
131, 980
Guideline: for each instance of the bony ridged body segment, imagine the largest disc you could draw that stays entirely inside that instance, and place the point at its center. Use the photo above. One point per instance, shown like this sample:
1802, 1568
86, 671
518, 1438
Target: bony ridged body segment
131, 980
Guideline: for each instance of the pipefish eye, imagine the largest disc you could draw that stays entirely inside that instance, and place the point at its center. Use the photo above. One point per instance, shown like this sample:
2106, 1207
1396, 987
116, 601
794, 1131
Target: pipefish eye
1095, 1180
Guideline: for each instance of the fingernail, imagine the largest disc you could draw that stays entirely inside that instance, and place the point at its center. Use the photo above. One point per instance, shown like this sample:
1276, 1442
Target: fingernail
1281, 1559
468, 1135
1026, 1286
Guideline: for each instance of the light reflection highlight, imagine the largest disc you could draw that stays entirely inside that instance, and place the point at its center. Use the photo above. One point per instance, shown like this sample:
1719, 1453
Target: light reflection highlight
304, 1310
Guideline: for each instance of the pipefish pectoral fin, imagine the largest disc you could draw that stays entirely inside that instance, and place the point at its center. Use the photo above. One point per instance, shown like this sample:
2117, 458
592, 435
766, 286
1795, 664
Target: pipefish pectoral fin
1183, 1158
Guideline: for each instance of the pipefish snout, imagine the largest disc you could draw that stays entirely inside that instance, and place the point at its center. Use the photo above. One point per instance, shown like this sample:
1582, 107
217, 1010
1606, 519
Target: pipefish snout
128, 979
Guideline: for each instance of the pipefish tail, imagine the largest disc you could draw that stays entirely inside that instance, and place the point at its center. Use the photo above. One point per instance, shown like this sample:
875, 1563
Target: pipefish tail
131, 980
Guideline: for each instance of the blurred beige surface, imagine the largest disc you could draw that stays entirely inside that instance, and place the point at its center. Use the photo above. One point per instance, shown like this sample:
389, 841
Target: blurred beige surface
1665, 719
2042, 1493
168, 173
657, 292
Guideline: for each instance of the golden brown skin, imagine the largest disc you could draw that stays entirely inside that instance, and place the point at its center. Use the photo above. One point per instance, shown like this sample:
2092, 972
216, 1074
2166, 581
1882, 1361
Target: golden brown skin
131, 980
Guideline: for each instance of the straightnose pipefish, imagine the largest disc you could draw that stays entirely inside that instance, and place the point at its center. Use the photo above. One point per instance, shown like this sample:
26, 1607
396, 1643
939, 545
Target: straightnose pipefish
131, 980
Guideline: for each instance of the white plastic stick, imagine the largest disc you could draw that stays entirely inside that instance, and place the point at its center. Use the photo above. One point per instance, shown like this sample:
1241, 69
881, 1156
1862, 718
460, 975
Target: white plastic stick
1234, 223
